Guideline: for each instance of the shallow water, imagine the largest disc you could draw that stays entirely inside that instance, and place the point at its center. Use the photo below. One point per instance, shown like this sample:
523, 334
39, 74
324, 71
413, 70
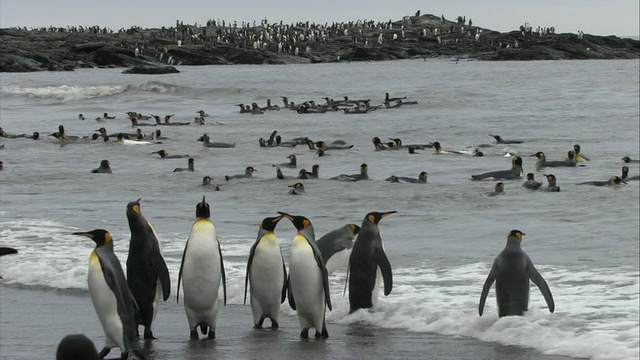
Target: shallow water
441, 243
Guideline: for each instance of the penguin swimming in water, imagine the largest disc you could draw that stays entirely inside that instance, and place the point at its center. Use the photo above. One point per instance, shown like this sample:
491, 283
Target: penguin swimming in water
103, 169
500, 140
201, 273
190, 166
497, 190
293, 162
335, 246
147, 273
422, 178
579, 155
511, 271
543, 163
363, 175
165, 155
440, 151
76, 347
308, 279
266, 274
297, 189
206, 142
628, 160
551, 186
614, 180
368, 263
3, 249
513, 174
625, 175
112, 299
531, 183
248, 173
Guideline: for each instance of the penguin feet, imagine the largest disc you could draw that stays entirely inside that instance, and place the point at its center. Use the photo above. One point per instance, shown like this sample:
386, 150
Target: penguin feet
304, 333
148, 334
193, 335
325, 333
212, 334
258, 325
274, 324
104, 352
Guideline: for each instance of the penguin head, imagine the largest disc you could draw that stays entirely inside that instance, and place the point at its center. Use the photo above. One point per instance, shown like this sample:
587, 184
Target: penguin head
364, 168
36, 135
99, 236
206, 180
320, 153
497, 137
436, 145
539, 155
396, 141
616, 180
291, 157
203, 137
376, 140
134, 206
250, 170
530, 176
104, 163
297, 186
375, 217
302, 224
1, 165
517, 161
412, 150
499, 187
303, 174
571, 154
515, 234
576, 148
190, 161
203, 211
278, 139
626, 159
268, 224
158, 133
61, 129
162, 153
423, 176
625, 172
355, 229
103, 130
550, 178
311, 144
321, 145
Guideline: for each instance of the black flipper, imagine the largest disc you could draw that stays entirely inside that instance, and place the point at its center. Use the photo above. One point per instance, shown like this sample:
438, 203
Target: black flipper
292, 302
385, 269
224, 276
158, 264
325, 273
184, 253
537, 279
252, 252
285, 281
487, 285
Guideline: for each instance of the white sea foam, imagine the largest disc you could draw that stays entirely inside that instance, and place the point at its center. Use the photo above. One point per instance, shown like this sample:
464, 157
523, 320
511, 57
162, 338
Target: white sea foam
597, 313
65, 93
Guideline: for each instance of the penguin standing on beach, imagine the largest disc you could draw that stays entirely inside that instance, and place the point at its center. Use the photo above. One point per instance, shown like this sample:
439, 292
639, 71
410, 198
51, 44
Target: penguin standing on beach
308, 279
512, 270
368, 264
113, 301
267, 275
201, 272
147, 273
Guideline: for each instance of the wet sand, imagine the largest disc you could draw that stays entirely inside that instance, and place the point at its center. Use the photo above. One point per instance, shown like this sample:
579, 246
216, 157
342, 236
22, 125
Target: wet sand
32, 322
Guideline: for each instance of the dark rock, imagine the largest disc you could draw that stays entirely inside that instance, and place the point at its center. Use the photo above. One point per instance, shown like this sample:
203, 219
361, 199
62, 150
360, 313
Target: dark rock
151, 70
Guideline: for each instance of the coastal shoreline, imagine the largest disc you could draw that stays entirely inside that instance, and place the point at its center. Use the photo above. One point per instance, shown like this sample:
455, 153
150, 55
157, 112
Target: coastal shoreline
33, 321
413, 37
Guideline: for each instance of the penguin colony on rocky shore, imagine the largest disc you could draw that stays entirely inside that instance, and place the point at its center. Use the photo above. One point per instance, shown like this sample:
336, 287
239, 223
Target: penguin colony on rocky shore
123, 303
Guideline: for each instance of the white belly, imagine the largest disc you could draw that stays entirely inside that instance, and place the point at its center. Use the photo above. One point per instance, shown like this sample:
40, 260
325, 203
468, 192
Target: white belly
375, 293
201, 275
106, 306
338, 261
306, 284
266, 278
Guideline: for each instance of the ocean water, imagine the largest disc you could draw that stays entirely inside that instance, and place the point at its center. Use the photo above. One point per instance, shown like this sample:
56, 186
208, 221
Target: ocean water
441, 243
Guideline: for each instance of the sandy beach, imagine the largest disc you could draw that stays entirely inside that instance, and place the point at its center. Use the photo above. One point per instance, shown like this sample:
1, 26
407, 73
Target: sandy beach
32, 322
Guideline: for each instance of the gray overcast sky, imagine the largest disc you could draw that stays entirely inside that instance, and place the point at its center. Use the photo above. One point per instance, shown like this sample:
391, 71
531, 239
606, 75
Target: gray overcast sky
598, 17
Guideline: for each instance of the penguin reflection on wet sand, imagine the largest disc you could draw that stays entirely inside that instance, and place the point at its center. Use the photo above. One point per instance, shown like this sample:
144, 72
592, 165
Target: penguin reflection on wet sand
76, 347
147, 273
368, 265
111, 296
308, 285
104, 168
512, 269
513, 174
335, 246
266, 276
202, 273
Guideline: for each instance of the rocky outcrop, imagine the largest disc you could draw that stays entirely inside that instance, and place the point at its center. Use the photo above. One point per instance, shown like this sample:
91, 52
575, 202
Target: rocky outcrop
425, 36
151, 70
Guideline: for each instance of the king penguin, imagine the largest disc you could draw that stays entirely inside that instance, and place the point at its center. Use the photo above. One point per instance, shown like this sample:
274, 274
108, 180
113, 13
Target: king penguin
113, 301
308, 279
201, 272
368, 263
511, 271
267, 275
335, 246
147, 273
